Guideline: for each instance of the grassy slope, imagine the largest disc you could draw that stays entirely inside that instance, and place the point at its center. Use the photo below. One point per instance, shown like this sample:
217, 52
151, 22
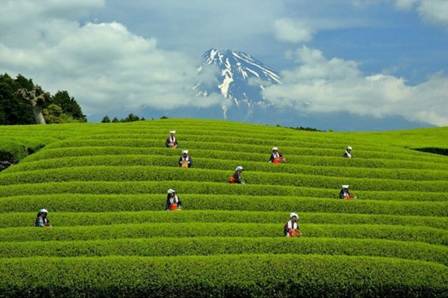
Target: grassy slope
415, 138
104, 185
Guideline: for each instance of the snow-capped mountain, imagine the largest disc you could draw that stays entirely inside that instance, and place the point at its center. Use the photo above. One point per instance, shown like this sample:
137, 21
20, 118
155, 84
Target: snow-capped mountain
237, 76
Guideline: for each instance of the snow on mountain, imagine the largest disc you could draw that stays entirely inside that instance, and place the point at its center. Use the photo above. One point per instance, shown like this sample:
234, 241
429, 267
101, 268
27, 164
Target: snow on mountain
238, 77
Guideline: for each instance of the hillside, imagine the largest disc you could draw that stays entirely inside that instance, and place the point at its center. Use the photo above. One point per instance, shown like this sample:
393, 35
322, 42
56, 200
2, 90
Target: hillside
105, 188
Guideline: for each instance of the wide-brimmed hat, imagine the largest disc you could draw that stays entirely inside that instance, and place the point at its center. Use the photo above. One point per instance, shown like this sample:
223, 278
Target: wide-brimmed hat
291, 215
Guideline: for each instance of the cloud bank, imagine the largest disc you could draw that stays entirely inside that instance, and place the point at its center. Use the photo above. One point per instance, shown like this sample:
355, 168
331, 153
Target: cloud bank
110, 69
318, 84
289, 30
106, 67
432, 11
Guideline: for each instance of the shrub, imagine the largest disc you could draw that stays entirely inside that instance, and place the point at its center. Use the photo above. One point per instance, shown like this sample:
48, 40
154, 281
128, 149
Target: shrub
214, 196
404, 233
242, 275
81, 217
151, 159
227, 245
140, 173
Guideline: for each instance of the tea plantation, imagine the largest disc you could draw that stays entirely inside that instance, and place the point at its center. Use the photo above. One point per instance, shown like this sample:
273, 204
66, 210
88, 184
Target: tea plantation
105, 188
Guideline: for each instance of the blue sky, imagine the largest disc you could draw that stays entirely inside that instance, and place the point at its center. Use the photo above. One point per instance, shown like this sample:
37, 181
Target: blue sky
379, 36
121, 56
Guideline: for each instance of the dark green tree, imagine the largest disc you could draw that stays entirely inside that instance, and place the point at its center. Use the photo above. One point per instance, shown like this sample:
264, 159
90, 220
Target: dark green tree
53, 114
131, 118
68, 104
23, 102
105, 119
13, 108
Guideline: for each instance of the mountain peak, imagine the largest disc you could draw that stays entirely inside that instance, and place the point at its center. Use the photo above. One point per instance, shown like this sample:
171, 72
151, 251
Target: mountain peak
241, 77
246, 65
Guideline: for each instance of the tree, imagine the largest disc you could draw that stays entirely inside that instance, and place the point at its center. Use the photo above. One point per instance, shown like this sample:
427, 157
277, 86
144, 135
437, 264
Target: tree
23, 102
38, 99
131, 117
53, 114
106, 119
24, 83
68, 105
13, 108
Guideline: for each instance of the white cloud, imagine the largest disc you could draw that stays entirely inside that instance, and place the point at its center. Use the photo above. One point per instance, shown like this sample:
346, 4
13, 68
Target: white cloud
405, 4
319, 84
106, 67
293, 31
434, 11
302, 30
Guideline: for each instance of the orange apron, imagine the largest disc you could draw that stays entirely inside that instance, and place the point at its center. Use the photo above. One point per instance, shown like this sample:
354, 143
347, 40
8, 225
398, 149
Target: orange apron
295, 233
277, 160
348, 197
231, 180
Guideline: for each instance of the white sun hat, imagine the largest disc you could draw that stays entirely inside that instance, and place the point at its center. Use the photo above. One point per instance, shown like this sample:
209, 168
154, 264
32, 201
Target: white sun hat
274, 148
170, 191
345, 186
349, 147
172, 131
184, 151
291, 215
43, 211
239, 168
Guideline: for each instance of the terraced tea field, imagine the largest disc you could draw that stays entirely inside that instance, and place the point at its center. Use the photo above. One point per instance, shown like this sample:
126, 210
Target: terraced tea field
105, 188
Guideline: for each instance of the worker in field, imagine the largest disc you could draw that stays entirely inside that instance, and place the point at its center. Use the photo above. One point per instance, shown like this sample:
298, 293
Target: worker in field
276, 156
185, 160
348, 152
237, 177
173, 202
345, 193
171, 141
42, 219
292, 228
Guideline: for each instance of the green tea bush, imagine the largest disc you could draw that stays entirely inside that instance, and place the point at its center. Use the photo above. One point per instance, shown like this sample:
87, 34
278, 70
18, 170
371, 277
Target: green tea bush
126, 160
23, 219
227, 245
316, 161
241, 275
240, 146
105, 187
198, 229
62, 189
141, 173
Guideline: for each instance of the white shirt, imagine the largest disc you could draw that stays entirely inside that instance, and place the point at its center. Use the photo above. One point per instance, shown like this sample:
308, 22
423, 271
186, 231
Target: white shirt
174, 200
291, 225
